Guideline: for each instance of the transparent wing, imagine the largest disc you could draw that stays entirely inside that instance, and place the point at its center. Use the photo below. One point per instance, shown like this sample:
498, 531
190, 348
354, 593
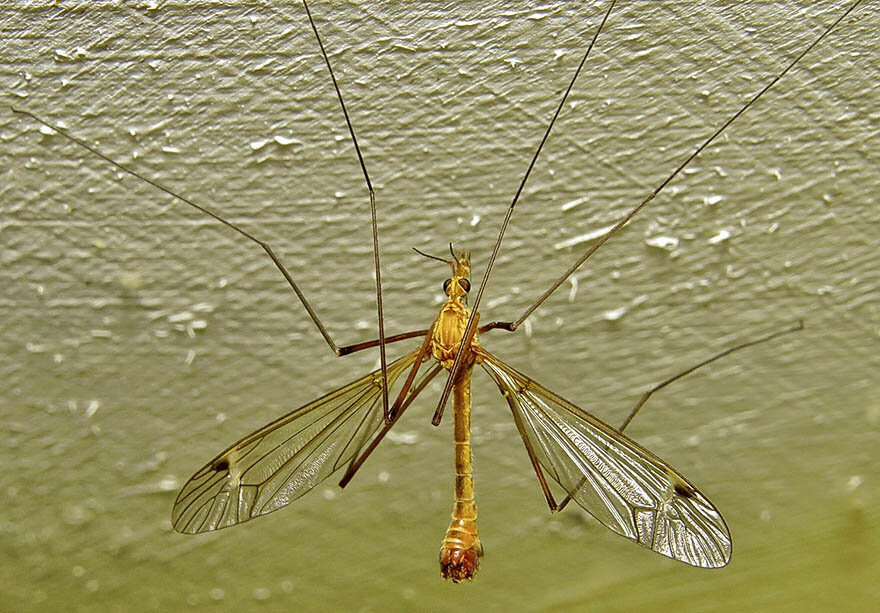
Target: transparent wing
283, 460
620, 483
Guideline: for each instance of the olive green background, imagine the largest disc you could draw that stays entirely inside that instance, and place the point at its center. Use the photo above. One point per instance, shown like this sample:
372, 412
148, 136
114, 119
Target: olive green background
140, 338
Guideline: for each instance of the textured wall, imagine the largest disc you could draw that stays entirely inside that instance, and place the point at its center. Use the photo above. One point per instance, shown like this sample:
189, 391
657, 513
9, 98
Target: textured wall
139, 338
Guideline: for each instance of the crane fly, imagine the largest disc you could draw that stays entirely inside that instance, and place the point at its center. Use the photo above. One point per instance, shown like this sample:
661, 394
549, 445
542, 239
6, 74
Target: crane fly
623, 485
620, 483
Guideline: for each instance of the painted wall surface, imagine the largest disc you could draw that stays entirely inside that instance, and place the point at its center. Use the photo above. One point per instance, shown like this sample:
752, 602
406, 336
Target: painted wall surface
139, 338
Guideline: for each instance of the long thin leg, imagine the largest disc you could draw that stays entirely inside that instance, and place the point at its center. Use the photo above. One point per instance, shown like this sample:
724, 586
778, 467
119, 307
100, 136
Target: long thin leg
728, 351
545, 487
468, 332
400, 405
511, 326
374, 223
424, 352
356, 464
467, 339
338, 350
795, 328
388, 340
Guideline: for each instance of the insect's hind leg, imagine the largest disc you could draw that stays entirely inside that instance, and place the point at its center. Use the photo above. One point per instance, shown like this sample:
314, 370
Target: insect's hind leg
554, 507
657, 387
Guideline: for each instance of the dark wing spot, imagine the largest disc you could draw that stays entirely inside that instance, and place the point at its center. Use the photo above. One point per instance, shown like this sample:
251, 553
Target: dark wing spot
683, 489
679, 486
221, 465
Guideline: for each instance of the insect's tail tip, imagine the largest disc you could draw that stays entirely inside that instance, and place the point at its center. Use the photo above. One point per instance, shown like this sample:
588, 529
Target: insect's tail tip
460, 565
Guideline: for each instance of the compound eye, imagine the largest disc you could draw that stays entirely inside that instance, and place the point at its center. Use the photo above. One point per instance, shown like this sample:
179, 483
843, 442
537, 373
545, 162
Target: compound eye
464, 284
446, 285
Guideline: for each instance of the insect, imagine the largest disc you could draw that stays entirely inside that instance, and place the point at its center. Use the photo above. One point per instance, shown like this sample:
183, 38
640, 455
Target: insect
338, 431
625, 486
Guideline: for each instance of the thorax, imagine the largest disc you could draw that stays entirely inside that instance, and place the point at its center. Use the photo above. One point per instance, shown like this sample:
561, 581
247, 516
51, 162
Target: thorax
449, 330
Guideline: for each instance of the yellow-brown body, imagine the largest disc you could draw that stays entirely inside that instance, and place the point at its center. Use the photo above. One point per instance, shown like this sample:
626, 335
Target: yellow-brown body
461, 549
